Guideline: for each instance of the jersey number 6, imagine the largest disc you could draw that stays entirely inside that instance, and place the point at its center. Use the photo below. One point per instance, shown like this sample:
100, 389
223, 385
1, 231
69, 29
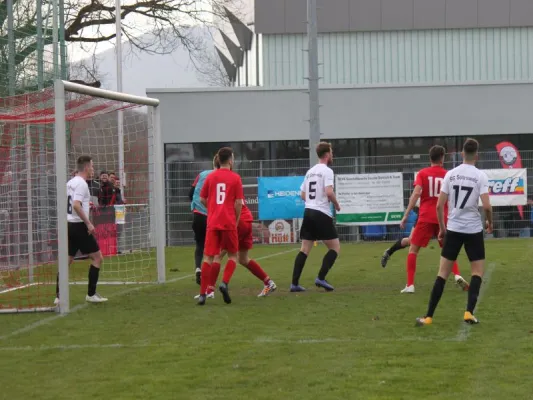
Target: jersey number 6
221, 193
69, 205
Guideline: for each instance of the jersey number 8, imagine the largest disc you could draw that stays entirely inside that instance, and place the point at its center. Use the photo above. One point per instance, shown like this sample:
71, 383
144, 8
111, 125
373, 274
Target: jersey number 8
69, 205
221, 193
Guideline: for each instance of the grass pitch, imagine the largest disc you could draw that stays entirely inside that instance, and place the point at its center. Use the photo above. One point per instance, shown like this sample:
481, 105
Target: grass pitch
359, 342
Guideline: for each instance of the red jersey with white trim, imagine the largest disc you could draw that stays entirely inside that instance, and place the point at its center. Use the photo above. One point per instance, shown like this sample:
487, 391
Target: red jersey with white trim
246, 214
430, 179
221, 188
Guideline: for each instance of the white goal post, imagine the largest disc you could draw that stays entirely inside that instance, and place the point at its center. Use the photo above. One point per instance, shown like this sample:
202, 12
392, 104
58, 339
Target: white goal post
155, 164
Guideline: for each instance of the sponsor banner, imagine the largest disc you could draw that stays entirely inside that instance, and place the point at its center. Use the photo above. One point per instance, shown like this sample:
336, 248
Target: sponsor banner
279, 197
510, 159
507, 187
370, 199
280, 232
120, 214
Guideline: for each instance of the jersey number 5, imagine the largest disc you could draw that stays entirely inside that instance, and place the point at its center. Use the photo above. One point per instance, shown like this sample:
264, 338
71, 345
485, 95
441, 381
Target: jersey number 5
69, 205
221, 193
434, 186
312, 190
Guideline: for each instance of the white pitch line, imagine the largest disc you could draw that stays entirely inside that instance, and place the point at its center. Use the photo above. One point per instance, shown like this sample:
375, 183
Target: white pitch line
464, 329
49, 320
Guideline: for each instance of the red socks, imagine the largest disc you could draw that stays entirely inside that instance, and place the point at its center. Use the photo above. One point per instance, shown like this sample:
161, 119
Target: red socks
257, 271
411, 268
229, 269
215, 270
455, 269
205, 277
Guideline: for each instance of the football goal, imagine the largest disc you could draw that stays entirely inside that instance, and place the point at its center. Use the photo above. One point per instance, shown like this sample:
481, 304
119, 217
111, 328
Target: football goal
42, 135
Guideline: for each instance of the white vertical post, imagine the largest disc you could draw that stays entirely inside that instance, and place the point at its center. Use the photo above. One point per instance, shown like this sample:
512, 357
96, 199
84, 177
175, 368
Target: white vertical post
120, 116
55, 37
29, 185
60, 141
159, 196
314, 105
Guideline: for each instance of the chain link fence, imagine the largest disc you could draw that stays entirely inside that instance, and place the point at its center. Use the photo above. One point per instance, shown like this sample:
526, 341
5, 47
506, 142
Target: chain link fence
181, 175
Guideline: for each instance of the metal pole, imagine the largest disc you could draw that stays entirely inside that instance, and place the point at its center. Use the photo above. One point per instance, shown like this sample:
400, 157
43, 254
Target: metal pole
55, 38
41, 229
60, 141
158, 196
314, 105
29, 185
120, 116
11, 48
62, 46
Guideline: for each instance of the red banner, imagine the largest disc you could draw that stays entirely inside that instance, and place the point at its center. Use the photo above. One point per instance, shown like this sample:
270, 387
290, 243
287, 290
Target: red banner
510, 159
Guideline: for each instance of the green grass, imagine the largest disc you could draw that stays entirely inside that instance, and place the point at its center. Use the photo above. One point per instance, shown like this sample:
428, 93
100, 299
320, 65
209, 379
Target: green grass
358, 342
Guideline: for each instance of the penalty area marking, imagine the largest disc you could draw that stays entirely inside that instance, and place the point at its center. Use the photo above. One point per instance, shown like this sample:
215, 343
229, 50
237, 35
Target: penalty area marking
464, 329
49, 320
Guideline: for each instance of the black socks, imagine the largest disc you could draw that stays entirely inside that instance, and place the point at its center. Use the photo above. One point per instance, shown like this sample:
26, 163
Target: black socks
327, 263
299, 264
436, 294
395, 247
473, 293
93, 280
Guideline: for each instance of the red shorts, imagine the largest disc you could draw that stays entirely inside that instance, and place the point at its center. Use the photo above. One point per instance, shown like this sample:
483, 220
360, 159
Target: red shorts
423, 232
246, 240
221, 240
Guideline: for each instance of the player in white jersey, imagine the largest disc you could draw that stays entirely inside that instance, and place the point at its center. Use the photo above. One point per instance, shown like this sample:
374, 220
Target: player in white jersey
462, 188
80, 229
317, 191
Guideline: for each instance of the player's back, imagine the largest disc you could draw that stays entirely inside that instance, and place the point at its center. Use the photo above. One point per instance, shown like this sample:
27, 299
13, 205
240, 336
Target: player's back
314, 185
430, 179
222, 188
77, 190
464, 185
196, 205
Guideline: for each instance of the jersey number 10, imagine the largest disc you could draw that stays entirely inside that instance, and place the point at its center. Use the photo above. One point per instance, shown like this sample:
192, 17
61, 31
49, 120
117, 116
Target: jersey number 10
434, 186
221, 193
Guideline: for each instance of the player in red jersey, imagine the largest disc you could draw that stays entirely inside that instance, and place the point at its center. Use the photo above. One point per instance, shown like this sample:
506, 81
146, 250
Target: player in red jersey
223, 196
244, 232
427, 188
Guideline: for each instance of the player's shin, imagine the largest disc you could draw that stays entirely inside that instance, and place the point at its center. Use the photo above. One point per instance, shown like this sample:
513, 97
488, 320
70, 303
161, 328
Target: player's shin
395, 247
436, 294
411, 268
299, 264
206, 275
94, 273
215, 271
257, 271
327, 263
198, 255
473, 293
229, 269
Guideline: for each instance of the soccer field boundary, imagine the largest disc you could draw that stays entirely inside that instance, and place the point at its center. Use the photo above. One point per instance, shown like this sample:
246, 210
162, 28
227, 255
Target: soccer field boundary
464, 330
79, 307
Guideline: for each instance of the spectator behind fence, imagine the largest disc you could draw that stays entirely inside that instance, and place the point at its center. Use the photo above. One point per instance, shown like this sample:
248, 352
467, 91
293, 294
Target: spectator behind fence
105, 194
117, 194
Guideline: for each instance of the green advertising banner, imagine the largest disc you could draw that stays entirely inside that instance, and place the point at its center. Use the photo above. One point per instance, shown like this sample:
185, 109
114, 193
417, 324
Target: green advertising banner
370, 199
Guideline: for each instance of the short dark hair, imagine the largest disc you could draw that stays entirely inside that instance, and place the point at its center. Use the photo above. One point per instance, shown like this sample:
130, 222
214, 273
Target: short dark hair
436, 153
112, 173
470, 147
103, 172
216, 162
322, 149
82, 162
224, 155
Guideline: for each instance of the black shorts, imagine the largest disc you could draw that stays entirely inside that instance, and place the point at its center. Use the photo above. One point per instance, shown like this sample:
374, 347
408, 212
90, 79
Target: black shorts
317, 226
474, 245
79, 239
199, 227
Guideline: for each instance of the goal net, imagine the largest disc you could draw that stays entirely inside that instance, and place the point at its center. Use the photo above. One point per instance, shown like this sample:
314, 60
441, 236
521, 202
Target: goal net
42, 135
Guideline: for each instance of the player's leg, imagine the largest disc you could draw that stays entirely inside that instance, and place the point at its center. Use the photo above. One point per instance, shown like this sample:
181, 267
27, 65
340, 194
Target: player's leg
459, 280
213, 275
94, 273
398, 245
475, 251
199, 227
230, 243
420, 238
211, 250
70, 261
328, 235
308, 237
453, 242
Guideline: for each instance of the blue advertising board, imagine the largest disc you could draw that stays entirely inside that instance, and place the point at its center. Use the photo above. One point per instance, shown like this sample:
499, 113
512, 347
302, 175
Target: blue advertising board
279, 197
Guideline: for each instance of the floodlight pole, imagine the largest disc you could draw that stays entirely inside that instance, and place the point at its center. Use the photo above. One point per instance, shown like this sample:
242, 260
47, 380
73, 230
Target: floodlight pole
314, 105
120, 116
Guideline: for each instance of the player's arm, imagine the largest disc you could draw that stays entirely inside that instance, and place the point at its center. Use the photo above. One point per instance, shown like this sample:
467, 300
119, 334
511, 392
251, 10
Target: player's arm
485, 201
302, 190
204, 194
239, 199
441, 202
78, 207
415, 196
328, 183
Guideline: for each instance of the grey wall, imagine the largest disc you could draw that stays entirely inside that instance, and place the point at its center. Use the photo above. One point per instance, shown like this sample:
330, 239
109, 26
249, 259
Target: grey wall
247, 114
289, 16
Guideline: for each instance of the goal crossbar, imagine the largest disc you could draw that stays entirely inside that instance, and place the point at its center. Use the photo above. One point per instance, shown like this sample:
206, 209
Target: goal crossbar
60, 139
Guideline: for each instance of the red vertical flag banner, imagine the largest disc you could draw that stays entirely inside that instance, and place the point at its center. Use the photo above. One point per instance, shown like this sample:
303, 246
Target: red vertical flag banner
510, 159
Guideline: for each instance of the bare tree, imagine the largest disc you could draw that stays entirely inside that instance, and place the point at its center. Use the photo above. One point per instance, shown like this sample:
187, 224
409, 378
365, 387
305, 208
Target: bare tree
151, 26
211, 70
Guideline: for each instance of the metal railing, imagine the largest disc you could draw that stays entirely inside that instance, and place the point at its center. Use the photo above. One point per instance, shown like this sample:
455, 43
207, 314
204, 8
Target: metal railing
180, 175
